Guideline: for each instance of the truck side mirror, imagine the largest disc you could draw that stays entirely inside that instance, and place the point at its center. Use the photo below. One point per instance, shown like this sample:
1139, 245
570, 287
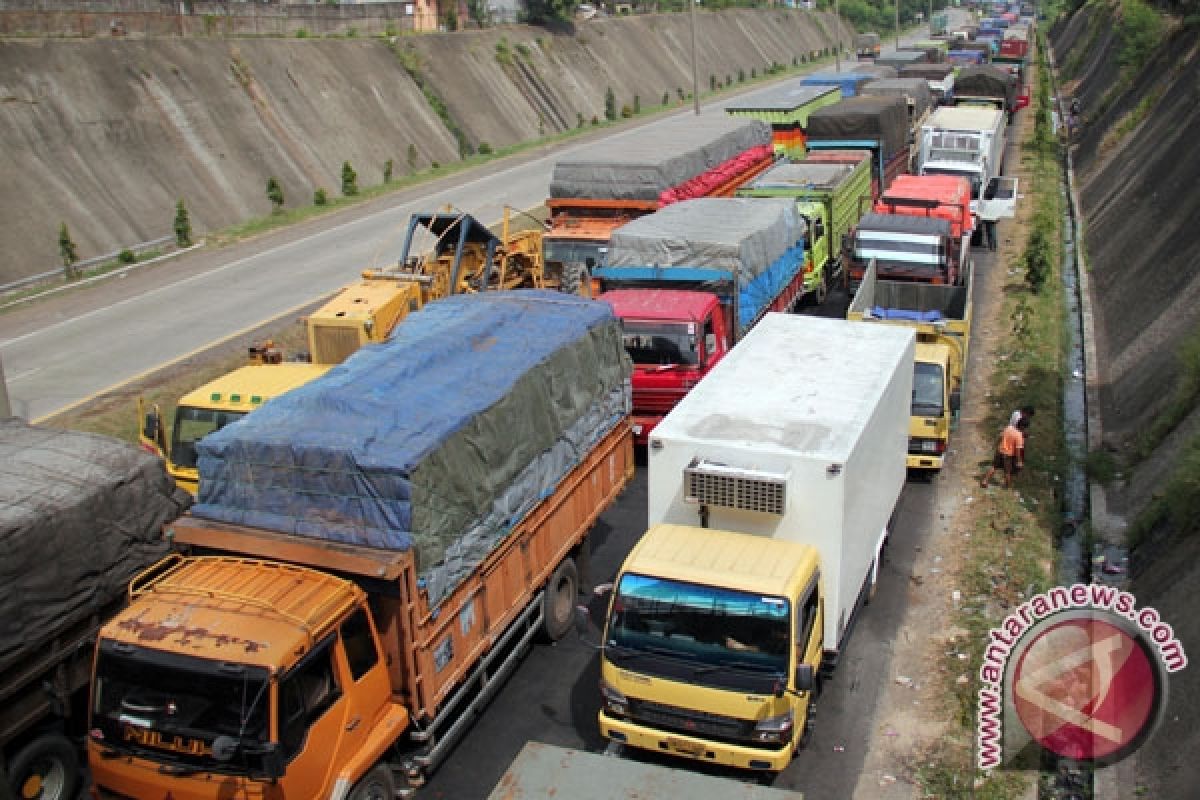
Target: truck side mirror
151, 425
804, 678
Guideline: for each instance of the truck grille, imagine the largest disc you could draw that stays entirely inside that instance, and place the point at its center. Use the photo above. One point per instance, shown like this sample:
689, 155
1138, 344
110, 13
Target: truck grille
712, 484
334, 343
686, 721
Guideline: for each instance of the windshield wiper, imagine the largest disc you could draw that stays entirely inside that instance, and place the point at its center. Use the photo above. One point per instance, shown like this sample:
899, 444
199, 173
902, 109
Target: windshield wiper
746, 665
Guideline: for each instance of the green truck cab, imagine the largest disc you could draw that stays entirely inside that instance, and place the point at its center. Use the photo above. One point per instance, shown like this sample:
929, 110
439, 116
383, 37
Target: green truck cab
831, 198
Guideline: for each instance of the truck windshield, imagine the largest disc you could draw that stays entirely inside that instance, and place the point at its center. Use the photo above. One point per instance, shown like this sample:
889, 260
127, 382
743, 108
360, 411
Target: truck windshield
929, 393
660, 342
574, 251
192, 425
170, 709
703, 634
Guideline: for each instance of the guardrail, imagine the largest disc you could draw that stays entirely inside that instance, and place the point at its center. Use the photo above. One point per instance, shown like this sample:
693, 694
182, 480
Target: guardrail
83, 265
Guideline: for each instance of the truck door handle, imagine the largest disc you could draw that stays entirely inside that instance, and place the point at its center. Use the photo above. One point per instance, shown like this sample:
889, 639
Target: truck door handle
352, 724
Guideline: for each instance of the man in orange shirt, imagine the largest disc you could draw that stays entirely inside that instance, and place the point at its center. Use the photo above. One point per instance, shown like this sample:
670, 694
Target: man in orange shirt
1010, 454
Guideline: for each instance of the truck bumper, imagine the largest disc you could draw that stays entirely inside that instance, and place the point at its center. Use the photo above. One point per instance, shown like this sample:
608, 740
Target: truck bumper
696, 749
916, 461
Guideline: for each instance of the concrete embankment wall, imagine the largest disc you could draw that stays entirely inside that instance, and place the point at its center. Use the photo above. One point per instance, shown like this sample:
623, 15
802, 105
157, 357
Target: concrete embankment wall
107, 134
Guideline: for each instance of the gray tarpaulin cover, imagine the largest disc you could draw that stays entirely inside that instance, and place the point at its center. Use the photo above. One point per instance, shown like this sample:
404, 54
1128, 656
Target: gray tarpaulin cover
878, 118
80, 515
876, 71
437, 440
915, 89
747, 234
986, 81
647, 162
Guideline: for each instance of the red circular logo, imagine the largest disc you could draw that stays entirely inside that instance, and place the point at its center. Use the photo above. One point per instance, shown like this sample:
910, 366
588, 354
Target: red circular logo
1087, 689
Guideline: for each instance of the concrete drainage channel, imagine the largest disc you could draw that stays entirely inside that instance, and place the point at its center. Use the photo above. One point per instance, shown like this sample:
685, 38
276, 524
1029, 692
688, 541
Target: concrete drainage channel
1082, 555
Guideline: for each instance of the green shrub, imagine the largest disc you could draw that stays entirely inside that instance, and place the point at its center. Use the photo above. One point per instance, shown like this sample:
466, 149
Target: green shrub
387, 171
1101, 467
503, 54
275, 194
302, 34
434, 165
183, 226
578, 119
411, 157
485, 149
349, 180
523, 50
637, 104
320, 197
666, 98
626, 111
66, 249
126, 256
610, 104
1141, 29
741, 76
351, 32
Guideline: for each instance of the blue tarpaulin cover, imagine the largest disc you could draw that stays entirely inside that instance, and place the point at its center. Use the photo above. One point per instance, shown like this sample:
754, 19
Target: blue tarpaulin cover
879, 312
473, 410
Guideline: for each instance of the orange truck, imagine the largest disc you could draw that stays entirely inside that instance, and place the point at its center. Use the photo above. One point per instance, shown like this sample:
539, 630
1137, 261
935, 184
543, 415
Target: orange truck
615, 181
299, 645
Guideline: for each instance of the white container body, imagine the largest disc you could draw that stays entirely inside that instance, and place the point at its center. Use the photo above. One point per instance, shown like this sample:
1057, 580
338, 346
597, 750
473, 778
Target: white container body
822, 406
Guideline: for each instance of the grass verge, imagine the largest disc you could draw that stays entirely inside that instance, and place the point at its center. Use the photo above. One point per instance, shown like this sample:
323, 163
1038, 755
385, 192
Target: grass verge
1008, 552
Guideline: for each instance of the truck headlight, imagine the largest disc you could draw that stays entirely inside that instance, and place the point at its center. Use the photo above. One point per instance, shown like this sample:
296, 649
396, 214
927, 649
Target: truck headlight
774, 730
615, 703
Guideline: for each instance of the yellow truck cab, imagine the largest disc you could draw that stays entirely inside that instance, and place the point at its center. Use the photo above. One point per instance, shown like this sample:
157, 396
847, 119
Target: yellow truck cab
768, 512
941, 317
224, 671
213, 406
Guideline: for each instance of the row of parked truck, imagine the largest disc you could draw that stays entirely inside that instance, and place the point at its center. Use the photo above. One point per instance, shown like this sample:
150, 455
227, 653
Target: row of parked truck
372, 551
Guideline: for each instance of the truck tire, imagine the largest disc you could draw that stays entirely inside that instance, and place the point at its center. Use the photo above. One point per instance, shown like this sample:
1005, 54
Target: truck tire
573, 278
378, 784
45, 769
558, 601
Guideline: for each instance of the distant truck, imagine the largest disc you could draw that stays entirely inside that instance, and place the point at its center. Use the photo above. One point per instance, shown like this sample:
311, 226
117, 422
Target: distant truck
917, 96
614, 181
542, 771
941, 316
875, 124
689, 281
830, 198
786, 110
987, 86
867, 46
80, 515
370, 558
939, 77
964, 141
767, 517
921, 231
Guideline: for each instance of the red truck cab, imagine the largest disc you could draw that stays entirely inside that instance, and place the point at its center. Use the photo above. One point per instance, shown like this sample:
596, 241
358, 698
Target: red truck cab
674, 337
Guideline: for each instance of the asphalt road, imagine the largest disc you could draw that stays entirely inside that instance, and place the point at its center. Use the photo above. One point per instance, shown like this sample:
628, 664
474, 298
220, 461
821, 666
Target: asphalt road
66, 350
553, 696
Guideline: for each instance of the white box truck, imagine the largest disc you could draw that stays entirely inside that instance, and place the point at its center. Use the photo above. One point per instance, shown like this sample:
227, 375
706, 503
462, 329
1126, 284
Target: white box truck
967, 141
771, 487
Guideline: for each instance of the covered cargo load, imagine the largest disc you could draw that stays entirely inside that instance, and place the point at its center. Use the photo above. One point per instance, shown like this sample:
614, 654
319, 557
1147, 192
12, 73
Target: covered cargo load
876, 71
880, 119
756, 242
848, 82
915, 91
437, 440
786, 109
80, 516
983, 81
903, 58
651, 161
928, 72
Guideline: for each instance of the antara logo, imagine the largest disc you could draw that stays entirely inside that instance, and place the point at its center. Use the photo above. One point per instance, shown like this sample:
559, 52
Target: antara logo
176, 744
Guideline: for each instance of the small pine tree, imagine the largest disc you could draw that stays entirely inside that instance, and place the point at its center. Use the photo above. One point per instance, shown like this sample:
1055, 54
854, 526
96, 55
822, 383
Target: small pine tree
320, 197
610, 104
275, 194
637, 104
741, 75
387, 171
349, 180
412, 158
666, 98
183, 225
578, 119
66, 248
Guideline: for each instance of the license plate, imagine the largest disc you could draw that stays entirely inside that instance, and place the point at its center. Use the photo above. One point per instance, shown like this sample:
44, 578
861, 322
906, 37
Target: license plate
685, 747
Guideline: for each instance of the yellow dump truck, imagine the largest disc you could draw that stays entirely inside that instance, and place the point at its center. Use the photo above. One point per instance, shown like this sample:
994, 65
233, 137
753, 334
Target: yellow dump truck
768, 513
940, 315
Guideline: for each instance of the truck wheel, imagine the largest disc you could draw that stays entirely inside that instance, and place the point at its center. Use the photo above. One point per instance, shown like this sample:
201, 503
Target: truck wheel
558, 601
378, 784
573, 276
45, 769
810, 720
